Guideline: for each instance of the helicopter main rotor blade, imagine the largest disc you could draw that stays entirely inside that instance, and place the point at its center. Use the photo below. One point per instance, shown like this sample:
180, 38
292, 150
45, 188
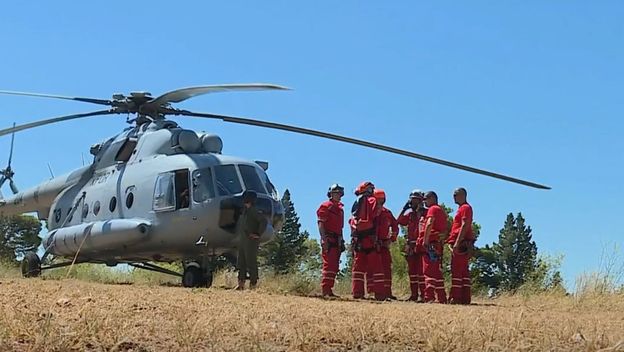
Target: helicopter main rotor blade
289, 128
13, 187
179, 95
11, 152
86, 100
54, 120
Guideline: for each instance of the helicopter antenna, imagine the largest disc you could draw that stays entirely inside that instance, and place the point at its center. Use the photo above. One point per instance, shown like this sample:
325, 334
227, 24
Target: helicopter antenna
82, 157
50, 169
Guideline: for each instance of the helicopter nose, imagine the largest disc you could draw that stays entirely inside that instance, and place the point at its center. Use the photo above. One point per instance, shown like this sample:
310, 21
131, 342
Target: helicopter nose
278, 216
268, 234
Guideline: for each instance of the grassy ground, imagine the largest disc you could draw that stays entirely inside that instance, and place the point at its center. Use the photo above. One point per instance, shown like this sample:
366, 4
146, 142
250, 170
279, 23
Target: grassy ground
58, 314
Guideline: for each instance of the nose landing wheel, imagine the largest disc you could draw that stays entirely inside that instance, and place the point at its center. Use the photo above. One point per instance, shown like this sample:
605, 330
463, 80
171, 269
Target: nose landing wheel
194, 276
31, 265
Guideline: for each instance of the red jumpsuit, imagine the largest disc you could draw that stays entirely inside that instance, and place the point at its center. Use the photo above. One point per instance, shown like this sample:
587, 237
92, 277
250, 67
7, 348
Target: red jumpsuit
414, 220
364, 244
434, 282
461, 285
385, 223
331, 215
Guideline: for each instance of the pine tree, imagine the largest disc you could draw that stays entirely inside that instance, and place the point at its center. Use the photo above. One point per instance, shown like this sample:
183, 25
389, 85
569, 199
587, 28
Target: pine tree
511, 261
517, 253
285, 252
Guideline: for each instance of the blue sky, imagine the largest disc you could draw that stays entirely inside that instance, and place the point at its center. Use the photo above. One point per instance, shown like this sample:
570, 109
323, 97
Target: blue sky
530, 89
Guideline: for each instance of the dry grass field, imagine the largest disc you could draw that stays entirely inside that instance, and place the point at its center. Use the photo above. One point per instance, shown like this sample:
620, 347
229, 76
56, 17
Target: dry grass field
74, 315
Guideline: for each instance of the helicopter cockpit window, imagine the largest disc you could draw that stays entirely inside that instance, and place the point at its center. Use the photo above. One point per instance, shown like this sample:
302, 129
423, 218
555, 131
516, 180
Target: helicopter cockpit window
251, 179
269, 186
203, 187
164, 192
227, 180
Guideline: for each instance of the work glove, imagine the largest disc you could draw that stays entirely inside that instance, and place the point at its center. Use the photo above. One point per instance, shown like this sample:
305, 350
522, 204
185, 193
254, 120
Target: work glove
342, 246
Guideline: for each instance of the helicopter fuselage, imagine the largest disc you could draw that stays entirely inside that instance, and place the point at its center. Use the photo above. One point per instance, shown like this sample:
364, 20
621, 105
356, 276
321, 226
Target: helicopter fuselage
153, 193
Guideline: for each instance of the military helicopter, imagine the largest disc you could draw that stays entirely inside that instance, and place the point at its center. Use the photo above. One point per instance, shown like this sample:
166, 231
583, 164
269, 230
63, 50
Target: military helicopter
157, 192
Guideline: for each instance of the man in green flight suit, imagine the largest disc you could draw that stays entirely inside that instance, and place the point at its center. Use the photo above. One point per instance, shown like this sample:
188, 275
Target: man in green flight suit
249, 227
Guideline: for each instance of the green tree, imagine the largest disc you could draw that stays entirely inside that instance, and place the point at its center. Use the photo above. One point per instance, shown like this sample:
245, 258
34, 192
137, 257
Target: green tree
18, 234
510, 262
345, 272
285, 252
547, 275
484, 270
311, 264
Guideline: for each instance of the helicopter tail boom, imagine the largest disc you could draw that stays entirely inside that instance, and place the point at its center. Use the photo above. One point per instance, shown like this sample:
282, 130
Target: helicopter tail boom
40, 198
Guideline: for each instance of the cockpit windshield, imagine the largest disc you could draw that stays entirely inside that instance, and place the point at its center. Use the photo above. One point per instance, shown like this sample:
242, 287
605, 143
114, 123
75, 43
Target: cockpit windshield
227, 180
203, 188
251, 178
269, 186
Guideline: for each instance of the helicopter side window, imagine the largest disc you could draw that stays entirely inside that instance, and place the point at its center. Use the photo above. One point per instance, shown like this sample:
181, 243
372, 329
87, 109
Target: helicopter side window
251, 179
227, 180
183, 194
112, 205
164, 192
203, 187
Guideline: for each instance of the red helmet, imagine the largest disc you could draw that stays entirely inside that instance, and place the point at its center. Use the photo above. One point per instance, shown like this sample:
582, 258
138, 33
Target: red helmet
379, 194
364, 187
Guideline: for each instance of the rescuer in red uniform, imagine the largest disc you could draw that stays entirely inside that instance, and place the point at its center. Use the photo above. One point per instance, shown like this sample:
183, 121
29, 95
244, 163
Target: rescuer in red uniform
435, 229
412, 216
387, 230
461, 241
364, 214
330, 222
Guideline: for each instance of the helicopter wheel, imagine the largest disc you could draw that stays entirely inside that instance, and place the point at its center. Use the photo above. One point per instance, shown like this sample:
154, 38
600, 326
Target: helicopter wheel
194, 277
31, 265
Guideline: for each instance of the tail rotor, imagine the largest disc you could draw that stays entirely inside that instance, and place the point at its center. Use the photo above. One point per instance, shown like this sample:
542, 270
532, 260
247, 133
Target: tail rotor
7, 173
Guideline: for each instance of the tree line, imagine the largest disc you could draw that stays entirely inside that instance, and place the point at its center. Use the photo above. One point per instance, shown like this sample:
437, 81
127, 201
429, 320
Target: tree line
507, 264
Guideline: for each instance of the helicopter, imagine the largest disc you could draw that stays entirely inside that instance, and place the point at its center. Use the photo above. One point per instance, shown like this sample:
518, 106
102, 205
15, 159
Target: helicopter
157, 192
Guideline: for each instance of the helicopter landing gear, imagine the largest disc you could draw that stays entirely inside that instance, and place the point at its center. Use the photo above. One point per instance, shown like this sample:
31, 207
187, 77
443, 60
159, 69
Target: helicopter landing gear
195, 276
31, 265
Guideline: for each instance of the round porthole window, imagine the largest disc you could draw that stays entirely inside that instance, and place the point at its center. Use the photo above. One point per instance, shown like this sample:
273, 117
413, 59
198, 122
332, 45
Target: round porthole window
96, 208
129, 200
85, 210
113, 204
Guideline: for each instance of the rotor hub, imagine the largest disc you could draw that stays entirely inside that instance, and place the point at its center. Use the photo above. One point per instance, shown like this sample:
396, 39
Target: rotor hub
8, 173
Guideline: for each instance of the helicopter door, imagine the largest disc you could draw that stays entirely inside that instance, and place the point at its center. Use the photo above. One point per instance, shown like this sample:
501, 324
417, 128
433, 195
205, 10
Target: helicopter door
171, 191
164, 192
183, 193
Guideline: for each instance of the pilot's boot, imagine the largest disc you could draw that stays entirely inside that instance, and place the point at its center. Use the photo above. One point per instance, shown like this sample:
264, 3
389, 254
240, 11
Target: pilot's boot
240, 286
253, 285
